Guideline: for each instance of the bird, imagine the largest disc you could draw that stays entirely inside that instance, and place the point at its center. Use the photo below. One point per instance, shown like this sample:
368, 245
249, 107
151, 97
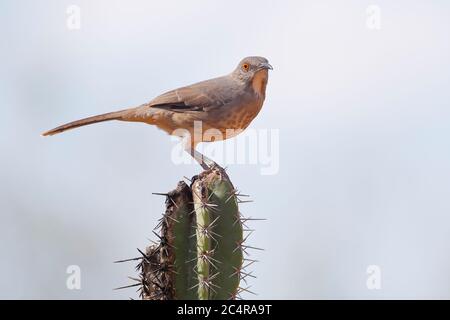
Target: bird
223, 106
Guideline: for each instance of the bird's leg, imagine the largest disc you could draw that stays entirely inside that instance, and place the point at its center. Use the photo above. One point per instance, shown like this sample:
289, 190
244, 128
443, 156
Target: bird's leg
203, 160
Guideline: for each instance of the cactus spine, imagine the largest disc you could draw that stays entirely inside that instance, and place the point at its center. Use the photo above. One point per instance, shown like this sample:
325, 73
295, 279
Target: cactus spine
200, 251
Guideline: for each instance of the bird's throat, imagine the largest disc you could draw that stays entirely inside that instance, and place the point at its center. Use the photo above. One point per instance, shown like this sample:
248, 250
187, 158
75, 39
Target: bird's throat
259, 82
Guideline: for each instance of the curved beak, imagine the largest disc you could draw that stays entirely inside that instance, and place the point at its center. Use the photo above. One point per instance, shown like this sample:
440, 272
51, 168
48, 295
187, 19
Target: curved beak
265, 66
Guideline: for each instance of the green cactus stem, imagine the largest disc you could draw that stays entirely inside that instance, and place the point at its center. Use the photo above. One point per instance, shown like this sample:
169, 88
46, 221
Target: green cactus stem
199, 255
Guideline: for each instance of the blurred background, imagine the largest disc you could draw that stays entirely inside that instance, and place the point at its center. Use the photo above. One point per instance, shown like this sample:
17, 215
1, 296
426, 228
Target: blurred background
362, 109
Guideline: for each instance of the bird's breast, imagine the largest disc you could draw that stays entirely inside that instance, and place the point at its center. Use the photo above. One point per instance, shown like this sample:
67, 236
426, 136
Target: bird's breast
237, 117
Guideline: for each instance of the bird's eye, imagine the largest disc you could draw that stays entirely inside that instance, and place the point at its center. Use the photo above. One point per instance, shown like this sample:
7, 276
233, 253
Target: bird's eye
245, 66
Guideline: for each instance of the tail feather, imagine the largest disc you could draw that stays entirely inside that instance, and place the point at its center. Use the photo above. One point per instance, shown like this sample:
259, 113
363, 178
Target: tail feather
83, 122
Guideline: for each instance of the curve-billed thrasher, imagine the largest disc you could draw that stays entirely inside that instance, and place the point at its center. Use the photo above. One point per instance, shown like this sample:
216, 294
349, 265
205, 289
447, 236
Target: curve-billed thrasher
226, 105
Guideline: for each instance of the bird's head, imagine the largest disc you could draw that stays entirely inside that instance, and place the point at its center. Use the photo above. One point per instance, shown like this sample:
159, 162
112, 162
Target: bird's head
254, 71
250, 66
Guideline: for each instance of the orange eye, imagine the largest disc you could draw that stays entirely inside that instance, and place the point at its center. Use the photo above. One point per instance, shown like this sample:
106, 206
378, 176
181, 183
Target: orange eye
245, 66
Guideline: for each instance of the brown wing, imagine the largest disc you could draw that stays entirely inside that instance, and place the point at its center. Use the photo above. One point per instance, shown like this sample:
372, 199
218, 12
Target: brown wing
199, 97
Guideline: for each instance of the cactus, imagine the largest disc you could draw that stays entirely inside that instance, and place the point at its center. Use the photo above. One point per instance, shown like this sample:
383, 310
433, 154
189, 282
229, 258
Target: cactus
200, 252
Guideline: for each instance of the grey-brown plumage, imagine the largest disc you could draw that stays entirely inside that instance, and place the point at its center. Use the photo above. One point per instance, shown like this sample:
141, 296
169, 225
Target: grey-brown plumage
226, 104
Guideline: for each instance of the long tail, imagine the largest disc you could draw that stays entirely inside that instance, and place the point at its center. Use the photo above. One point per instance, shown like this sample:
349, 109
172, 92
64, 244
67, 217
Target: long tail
118, 115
